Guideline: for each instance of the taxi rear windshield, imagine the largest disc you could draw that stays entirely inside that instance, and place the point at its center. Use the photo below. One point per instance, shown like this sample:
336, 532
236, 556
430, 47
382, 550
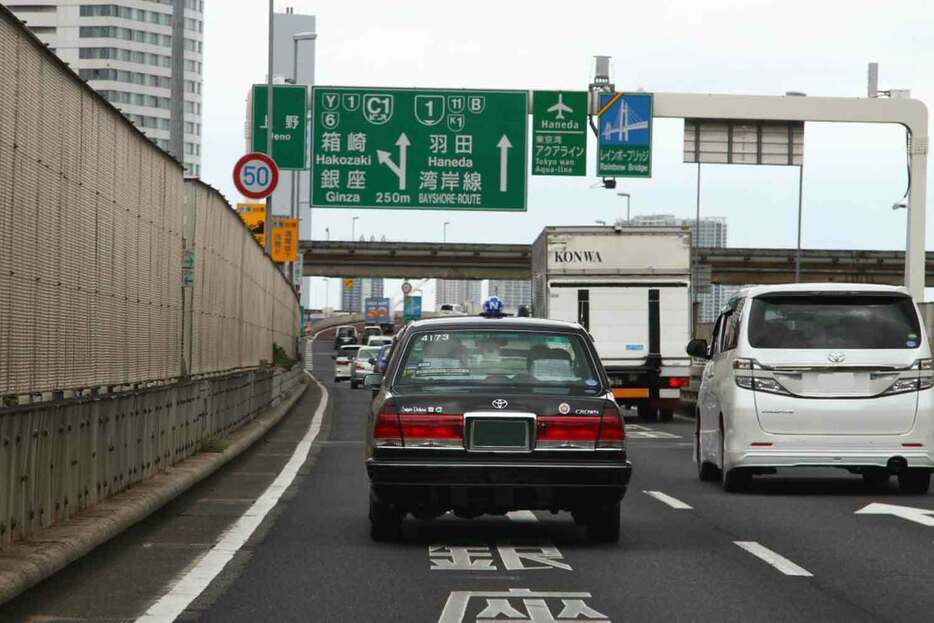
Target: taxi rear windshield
834, 321
517, 359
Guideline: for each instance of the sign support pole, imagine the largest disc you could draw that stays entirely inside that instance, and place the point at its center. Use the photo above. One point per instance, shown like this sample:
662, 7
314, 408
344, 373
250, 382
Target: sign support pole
269, 125
798, 250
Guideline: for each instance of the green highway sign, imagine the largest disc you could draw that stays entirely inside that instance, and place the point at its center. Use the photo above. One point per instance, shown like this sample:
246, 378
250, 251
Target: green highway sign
559, 133
624, 138
419, 149
289, 107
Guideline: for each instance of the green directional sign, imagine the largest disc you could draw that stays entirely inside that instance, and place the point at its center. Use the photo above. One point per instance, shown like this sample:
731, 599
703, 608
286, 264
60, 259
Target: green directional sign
559, 133
289, 107
419, 149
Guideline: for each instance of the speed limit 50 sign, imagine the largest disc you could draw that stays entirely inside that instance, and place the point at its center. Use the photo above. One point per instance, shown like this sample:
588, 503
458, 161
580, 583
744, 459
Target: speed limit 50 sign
256, 175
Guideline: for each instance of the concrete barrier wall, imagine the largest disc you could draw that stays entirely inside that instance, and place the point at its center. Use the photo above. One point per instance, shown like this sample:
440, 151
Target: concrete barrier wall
59, 458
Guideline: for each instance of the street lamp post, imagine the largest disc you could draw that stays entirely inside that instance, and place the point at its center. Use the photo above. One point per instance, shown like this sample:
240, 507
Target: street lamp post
444, 230
353, 228
294, 211
626, 195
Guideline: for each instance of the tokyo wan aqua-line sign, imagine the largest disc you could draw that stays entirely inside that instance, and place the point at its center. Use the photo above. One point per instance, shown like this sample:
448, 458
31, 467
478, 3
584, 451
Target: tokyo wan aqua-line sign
419, 149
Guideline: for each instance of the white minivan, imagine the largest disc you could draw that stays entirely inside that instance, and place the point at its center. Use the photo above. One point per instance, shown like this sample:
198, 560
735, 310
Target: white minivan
817, 375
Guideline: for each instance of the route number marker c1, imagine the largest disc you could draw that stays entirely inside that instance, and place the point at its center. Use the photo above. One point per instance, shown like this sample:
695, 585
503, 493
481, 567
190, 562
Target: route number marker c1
256, 175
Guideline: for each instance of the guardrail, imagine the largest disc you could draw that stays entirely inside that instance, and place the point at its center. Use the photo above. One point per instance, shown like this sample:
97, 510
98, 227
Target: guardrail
60, 457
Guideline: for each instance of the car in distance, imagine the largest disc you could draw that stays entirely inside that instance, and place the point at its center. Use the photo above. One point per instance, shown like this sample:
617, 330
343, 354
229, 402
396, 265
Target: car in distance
343, 361
480, 415
371, 331
346, 334
379, 340
364, 363
817, 375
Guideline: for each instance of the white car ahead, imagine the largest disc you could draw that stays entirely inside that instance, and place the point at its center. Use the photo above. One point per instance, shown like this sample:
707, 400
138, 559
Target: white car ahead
343, 361
379, 340
817, 375
364, 363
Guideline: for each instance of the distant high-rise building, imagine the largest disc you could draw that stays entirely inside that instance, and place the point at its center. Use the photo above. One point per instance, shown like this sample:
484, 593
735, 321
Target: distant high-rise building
512, 293
459, 292
353, 299
143, 57
711, 233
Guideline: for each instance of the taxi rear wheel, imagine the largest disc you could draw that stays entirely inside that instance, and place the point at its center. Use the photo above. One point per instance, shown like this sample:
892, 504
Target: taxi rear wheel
603, 524
385, 520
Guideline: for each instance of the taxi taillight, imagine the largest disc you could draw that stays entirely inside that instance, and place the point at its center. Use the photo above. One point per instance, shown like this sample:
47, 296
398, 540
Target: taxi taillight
612, 428
437, 430
387, 431
571, 432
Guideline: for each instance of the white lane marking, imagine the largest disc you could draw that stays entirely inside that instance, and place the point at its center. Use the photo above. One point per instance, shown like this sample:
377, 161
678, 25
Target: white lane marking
776, 560
637, 431
522, 516
923, 516
187, 588
667, 499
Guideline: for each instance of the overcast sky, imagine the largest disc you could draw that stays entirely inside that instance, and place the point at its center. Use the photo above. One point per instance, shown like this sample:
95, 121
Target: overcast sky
852, 175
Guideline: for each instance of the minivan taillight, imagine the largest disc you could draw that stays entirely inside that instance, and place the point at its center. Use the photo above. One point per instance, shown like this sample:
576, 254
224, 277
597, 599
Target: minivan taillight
387, 431
612, 428
433, 430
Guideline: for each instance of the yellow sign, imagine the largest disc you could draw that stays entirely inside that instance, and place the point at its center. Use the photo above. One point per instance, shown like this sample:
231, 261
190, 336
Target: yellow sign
348, 283
253, 216
284, 243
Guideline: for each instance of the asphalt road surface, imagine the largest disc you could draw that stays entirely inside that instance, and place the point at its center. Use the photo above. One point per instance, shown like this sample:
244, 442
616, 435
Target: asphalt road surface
792, 548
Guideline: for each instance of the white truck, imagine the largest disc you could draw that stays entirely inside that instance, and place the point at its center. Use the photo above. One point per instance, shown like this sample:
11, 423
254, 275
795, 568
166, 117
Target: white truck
630, 288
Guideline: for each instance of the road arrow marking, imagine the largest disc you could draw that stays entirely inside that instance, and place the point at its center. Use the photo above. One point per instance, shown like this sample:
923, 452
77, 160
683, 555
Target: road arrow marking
504, 147
923, 516
399, 169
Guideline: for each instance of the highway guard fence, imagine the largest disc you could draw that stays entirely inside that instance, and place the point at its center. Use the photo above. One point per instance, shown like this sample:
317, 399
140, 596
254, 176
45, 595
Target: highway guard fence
59, 458
94, 219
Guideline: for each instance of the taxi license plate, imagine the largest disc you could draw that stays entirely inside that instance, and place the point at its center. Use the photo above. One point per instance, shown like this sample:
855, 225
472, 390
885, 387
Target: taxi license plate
499, 434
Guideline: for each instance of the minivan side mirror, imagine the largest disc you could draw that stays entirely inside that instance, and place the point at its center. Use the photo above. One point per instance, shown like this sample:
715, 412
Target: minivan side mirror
373, 381
698, 348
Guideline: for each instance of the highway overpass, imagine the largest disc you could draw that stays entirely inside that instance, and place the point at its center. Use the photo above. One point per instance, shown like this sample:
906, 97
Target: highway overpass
513, 261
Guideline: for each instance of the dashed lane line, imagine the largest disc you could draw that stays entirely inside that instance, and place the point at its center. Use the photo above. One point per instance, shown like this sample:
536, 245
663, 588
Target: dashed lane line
670, 501
773, 558
522, 516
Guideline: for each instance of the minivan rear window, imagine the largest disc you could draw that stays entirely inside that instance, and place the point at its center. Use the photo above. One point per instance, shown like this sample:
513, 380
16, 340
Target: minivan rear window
823, 321
345, 332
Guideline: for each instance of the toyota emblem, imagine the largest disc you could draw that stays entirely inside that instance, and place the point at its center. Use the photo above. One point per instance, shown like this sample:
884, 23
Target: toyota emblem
499, 403
836, 357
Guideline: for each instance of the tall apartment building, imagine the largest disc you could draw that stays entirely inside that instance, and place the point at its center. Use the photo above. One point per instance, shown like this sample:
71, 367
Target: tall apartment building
711, 233
512, 293
353, 298
143, 56
459, 292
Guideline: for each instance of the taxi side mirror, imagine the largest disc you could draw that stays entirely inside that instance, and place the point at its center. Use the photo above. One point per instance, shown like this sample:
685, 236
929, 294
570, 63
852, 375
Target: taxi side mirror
373, 381
698, 348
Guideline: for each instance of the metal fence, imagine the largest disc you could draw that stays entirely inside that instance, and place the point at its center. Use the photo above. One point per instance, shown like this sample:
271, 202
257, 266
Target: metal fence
61, 457
91, 240
238, 307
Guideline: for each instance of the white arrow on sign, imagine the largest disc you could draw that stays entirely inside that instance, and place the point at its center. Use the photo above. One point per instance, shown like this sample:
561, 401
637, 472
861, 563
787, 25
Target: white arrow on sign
504, 147
399, 169
923, 516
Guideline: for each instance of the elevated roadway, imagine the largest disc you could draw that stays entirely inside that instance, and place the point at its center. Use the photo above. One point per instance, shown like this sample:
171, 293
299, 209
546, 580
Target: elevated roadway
514, 261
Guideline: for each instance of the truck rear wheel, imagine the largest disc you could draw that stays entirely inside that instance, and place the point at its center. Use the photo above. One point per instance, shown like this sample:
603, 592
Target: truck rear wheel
648, 413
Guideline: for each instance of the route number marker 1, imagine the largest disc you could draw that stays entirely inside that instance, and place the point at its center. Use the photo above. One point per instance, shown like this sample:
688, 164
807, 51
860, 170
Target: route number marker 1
256, 175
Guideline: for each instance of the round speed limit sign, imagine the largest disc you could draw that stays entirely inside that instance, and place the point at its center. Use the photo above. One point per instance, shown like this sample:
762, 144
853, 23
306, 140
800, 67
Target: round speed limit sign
256, 175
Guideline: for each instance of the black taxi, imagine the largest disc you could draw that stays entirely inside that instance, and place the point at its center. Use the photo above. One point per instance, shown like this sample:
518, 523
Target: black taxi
487, 415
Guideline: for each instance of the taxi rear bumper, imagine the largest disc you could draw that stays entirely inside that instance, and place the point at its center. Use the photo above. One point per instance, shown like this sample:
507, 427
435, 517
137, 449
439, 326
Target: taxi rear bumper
492, 486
